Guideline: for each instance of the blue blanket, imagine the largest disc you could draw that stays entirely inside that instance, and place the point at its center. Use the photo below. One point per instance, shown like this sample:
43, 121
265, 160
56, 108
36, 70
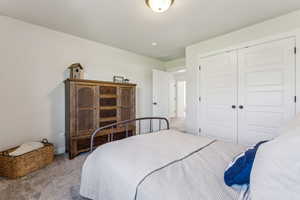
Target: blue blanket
238, 172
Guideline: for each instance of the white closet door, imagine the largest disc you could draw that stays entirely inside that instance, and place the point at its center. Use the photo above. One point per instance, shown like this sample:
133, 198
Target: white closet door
266, 90
219, 96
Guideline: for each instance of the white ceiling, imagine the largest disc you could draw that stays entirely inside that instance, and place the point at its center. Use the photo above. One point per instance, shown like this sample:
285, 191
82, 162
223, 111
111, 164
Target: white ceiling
130, 25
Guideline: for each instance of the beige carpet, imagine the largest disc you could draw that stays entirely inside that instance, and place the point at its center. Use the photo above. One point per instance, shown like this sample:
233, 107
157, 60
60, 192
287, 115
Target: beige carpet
58, 181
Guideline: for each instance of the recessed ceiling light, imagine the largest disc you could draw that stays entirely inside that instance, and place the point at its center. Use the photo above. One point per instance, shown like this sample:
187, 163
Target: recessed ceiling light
181, 71
154, 44
159, 5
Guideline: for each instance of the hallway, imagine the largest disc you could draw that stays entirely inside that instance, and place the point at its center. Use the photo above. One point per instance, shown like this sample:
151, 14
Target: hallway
177, 124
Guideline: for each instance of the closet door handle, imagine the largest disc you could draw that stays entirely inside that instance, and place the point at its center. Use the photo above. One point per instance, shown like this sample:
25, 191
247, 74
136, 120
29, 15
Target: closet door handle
233, 106
241, 107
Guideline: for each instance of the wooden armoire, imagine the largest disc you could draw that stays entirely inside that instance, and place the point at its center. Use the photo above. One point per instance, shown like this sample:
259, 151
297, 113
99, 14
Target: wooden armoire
93, 104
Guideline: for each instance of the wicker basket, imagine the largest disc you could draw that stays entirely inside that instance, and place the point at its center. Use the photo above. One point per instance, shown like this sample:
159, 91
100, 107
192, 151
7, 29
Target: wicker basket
16, 167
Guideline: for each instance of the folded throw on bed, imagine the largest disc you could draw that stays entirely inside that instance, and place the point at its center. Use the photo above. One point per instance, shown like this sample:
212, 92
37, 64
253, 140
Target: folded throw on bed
238, 172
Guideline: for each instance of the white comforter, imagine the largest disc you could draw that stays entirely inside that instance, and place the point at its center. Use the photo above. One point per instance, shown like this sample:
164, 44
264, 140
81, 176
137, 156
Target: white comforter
159, 166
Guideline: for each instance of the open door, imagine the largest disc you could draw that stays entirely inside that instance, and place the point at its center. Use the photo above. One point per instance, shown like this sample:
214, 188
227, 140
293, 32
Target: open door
160, 103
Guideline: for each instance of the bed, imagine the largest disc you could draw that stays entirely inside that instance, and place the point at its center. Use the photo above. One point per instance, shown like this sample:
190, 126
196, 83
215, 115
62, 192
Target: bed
161, 165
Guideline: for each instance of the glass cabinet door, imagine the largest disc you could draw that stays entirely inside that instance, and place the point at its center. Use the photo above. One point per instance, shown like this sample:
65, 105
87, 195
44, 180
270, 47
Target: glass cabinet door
86, 109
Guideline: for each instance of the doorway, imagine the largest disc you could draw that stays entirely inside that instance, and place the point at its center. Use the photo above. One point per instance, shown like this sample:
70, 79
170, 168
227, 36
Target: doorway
177, 121
169, 97
181, 105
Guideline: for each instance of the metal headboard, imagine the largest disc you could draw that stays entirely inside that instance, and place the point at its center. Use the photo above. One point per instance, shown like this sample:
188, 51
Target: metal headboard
126, 122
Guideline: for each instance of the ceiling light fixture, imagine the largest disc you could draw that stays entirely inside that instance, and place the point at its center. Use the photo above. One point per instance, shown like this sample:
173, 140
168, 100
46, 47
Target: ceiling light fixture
181, 71
154, 44
159, 5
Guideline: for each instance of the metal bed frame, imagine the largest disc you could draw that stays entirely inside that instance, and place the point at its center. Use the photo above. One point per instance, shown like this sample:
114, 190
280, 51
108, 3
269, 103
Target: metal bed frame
126, 122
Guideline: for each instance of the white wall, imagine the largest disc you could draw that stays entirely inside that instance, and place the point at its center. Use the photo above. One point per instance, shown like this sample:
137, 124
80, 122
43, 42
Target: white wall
175, 64
173, 67
33, 66
180, 76
268, 28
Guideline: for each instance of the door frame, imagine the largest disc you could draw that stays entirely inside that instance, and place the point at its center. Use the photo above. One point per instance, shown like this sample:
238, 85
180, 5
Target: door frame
172, 97
177, 98
276, 37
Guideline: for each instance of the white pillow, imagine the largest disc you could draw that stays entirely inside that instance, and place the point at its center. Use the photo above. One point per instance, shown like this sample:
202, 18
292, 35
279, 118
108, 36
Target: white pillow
276, 169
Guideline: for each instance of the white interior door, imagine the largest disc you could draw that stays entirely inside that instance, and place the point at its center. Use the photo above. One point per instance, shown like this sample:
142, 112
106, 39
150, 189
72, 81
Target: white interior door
160, 104
219, 96
266, 89
172, 97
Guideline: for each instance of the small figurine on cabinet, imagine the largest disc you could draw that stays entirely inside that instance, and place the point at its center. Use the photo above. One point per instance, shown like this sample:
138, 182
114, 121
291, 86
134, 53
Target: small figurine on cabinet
76, 71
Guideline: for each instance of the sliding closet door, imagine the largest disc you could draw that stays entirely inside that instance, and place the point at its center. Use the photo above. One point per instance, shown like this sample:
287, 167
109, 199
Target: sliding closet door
266, 90
219, 96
